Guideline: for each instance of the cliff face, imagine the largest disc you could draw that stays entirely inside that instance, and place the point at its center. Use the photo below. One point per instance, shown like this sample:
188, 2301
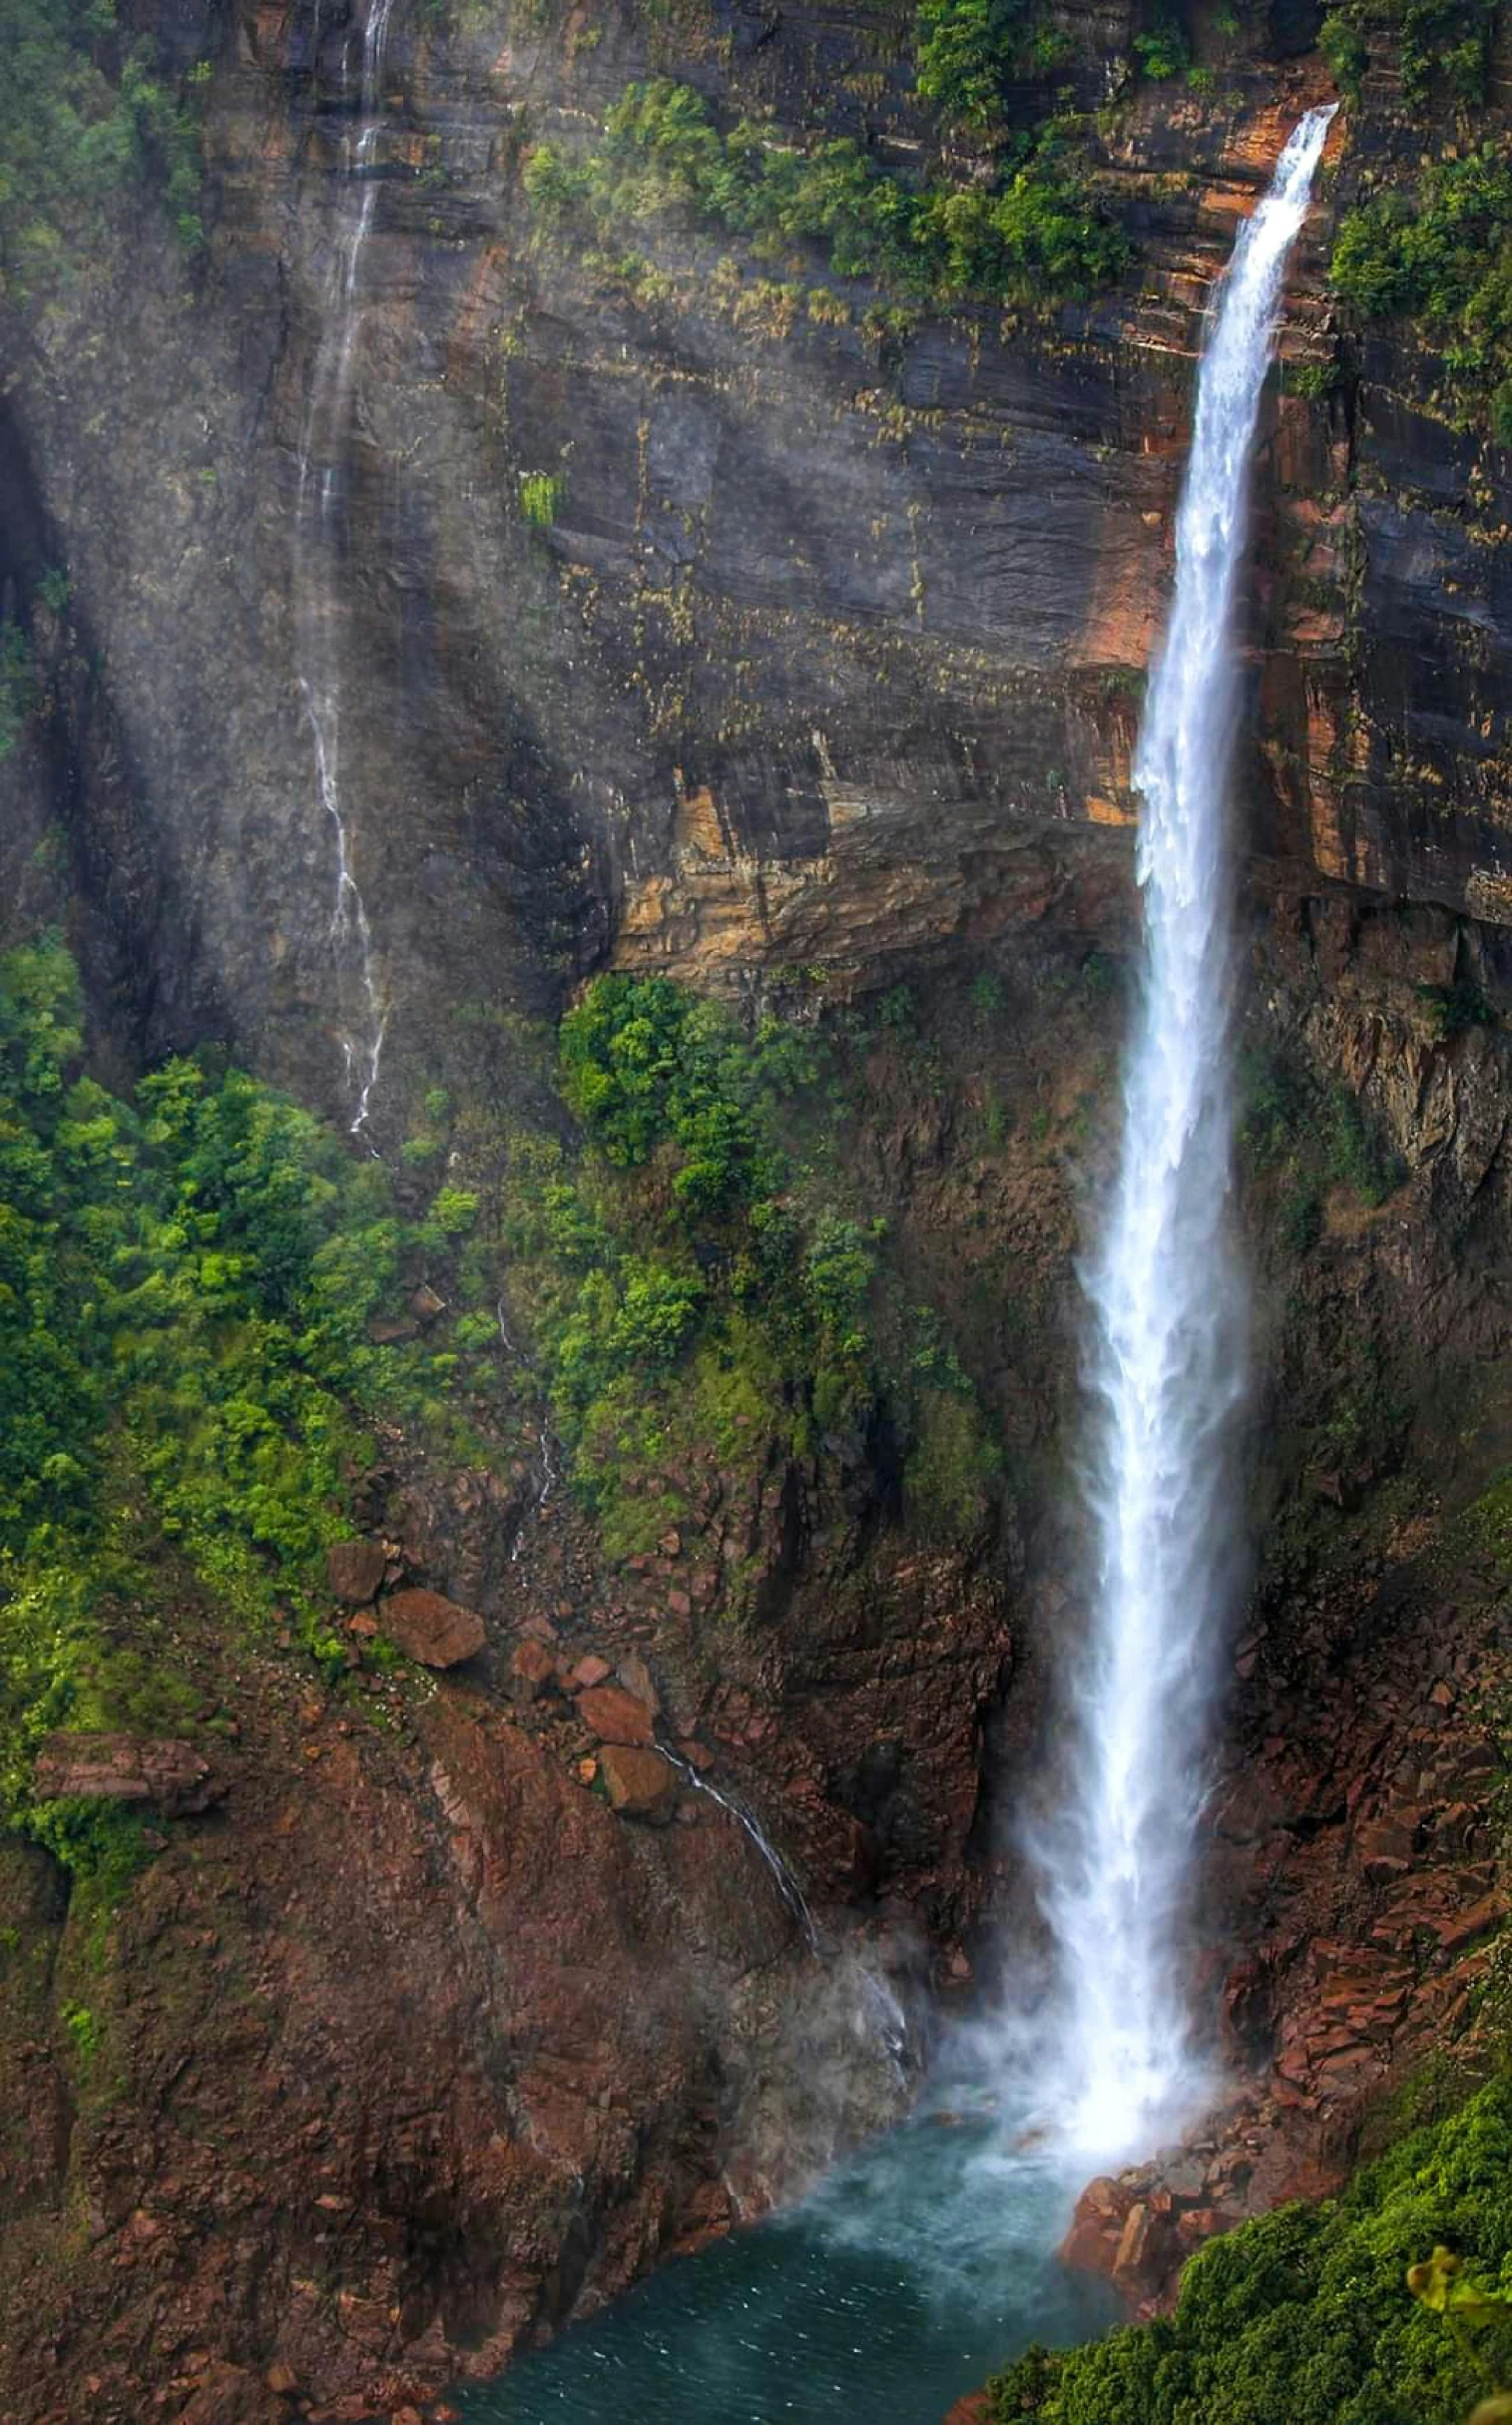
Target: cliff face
833, 648
817, 671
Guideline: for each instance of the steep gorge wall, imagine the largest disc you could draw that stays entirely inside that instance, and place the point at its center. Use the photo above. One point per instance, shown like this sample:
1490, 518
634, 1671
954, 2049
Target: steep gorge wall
824, 675
833, 648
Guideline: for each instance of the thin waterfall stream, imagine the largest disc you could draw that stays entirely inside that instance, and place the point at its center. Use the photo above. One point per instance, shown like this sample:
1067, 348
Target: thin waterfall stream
324, 448
926, 2260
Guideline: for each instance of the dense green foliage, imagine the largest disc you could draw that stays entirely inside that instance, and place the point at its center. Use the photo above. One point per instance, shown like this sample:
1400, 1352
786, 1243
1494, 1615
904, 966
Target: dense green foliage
82, 110
969, 50
1036, 234
1439, 45
196, 1331
691, 1286
1303, 2317
186, 1287
1444, 260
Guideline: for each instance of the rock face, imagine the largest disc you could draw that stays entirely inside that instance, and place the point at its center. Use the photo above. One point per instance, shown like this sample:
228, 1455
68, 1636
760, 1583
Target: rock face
432, 1629
831, 651
124, 1768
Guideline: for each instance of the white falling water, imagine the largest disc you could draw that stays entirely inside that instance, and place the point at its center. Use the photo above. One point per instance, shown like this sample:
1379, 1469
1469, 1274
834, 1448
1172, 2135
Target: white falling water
363, 1010
1168, 1297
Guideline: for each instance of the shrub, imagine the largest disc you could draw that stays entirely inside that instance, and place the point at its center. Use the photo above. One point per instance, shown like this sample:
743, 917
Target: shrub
184, 1289
1163, 51
541, 495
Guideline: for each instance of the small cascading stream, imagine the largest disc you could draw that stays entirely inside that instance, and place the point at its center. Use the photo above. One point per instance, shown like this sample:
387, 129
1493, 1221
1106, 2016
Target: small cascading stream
1168, 1297
363, 1007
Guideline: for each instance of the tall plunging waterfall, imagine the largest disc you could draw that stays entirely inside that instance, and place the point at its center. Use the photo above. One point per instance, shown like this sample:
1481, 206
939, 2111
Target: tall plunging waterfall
363, 1010
1168, 1297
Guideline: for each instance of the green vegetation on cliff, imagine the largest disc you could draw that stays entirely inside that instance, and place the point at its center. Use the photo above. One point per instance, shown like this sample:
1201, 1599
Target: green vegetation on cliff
969, 50
692, 1285
1036, 234
185, 1286
1437, 45
84, 111
1442, 257
1303, 2317
196, 1331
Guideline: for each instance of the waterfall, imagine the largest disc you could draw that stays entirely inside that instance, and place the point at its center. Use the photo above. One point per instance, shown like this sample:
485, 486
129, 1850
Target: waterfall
1167, 1299
362, 1009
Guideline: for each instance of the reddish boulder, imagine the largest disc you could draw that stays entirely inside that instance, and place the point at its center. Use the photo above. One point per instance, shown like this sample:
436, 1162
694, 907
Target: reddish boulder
354, 1570
591, 1670
126, 1768
615, 1716
431, 1629
533, 1669
640, 1784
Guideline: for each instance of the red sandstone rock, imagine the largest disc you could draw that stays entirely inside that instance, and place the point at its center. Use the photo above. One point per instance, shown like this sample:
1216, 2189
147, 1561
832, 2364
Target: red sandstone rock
615, 1715
591, 1670
126, 1768
431, 1629
354, 1570
533, 1669
640, 1784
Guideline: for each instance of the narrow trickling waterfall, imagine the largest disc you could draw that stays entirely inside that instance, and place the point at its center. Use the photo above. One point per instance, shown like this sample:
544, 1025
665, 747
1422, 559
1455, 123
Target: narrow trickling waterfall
361, 1007
1168, 1297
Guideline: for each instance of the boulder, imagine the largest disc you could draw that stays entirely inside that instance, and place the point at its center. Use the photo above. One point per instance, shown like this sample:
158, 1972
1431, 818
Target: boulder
126, 1768
640, 1784
533, 1669
434, 1629
615, 1715
591, 1670
354, 1570
635, 1676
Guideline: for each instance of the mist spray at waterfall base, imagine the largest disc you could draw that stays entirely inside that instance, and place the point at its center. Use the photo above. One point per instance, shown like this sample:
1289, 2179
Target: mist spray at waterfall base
927, 2260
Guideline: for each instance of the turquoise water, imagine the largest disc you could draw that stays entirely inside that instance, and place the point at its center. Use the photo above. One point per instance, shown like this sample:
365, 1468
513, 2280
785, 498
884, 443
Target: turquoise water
917, 2269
